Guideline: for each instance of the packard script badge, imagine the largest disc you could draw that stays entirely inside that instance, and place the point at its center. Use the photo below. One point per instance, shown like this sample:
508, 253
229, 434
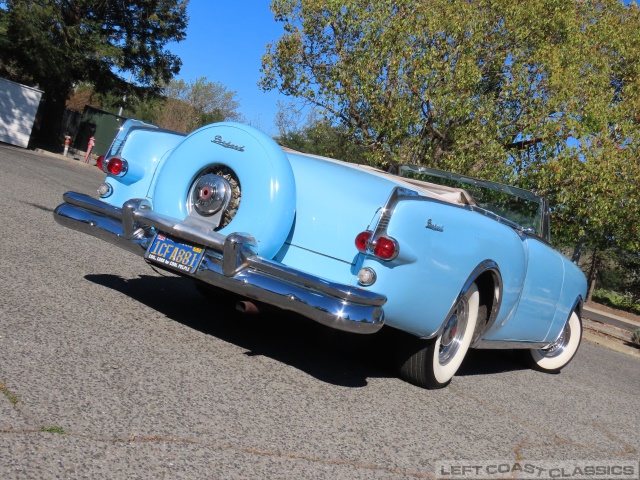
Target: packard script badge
433, 226
224, 144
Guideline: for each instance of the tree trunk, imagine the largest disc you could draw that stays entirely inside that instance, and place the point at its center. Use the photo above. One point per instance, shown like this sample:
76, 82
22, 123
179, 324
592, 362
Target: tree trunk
593, 273
577, 251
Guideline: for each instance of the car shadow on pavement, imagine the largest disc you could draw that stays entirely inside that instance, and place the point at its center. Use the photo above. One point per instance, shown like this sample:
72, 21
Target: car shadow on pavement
488, 362
332, 356
329, 355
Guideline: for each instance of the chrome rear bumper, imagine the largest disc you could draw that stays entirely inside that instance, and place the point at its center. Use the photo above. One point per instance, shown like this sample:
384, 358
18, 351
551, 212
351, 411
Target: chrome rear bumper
230, 262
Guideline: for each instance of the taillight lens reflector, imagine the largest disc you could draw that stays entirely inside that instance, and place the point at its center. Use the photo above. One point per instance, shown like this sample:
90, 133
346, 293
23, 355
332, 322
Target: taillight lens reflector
385, 248
115, 166
99, 161
362, 240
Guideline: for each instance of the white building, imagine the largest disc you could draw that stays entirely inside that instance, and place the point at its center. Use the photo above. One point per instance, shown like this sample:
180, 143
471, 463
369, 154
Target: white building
18, 108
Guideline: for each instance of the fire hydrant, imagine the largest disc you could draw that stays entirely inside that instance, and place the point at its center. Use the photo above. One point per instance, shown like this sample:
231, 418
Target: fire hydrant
92, 142
67, 142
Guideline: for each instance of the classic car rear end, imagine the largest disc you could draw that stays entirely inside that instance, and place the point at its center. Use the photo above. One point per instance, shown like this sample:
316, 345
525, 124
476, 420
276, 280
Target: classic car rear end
348, 246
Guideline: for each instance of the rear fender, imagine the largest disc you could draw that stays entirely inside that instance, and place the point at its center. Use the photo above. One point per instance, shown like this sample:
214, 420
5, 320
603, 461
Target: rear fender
445, 244
142, 146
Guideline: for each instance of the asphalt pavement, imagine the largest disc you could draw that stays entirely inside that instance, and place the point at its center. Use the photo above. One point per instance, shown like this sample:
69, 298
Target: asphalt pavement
109, 369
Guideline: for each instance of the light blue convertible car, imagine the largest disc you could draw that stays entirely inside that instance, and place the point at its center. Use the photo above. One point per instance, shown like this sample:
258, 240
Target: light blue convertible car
453, 262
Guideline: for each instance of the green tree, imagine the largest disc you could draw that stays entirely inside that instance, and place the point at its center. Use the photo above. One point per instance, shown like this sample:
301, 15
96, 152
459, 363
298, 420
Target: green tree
180, 106
541, 93
316, 135
147, 107
193, 104
54, 44
3, 28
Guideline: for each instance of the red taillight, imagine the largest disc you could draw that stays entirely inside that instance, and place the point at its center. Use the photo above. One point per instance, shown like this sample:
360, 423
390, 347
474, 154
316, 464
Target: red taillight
385, 248
362, 240
115, 166
99, 161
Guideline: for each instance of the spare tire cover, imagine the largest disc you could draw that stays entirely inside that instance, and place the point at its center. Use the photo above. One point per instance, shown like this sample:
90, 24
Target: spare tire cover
267, 185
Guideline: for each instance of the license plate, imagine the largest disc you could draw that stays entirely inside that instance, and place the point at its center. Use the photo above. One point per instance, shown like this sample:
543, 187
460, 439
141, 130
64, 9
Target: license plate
175, 254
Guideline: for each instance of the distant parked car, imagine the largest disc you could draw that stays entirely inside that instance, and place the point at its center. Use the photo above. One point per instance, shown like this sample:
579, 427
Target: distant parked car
455, 262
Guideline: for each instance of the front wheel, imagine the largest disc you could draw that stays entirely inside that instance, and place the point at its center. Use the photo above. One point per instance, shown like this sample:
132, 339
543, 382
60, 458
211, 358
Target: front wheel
433, 363
555, 357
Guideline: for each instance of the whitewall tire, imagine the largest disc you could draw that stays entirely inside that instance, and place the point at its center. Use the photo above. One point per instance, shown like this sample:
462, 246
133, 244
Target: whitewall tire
558, 355
435, 361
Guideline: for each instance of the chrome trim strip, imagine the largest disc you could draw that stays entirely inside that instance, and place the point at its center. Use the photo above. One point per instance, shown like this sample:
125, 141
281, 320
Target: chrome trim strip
380, 230
230, 262
397, 195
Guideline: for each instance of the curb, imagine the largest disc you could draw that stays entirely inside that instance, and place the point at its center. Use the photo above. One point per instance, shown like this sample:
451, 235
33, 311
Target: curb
602, 339
75, 157
607, 314
609, 330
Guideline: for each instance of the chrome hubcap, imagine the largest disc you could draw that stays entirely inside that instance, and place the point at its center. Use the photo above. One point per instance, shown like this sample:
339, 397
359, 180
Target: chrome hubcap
453, 332
215, 196
210, 194
560, 345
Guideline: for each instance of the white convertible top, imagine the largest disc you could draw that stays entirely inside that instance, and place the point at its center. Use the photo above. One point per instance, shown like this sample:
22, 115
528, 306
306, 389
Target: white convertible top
440, 192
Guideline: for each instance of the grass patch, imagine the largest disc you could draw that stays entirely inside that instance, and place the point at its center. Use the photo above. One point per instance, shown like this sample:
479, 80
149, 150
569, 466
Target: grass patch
58, 430
616, 300
12, 398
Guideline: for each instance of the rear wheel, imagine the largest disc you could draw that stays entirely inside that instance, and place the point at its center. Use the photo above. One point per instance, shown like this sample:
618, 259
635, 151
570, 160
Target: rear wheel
555, 357
433, 363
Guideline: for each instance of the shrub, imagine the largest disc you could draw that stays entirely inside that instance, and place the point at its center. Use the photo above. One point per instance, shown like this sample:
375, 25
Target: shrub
616, 300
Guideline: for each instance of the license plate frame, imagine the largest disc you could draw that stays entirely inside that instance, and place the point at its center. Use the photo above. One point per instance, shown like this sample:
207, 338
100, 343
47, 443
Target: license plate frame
175, 254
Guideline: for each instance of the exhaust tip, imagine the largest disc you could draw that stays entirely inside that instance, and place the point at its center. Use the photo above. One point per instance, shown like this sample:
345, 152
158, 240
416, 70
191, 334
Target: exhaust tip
247, 307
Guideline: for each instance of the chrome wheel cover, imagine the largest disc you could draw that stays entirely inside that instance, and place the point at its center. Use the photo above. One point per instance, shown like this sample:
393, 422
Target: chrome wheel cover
210, 194
560, 345
453, 332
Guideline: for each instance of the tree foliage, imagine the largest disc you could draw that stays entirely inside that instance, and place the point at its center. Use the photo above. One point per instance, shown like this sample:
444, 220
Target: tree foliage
181, 106
316, 135
190, 105
54, 44
541, 93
